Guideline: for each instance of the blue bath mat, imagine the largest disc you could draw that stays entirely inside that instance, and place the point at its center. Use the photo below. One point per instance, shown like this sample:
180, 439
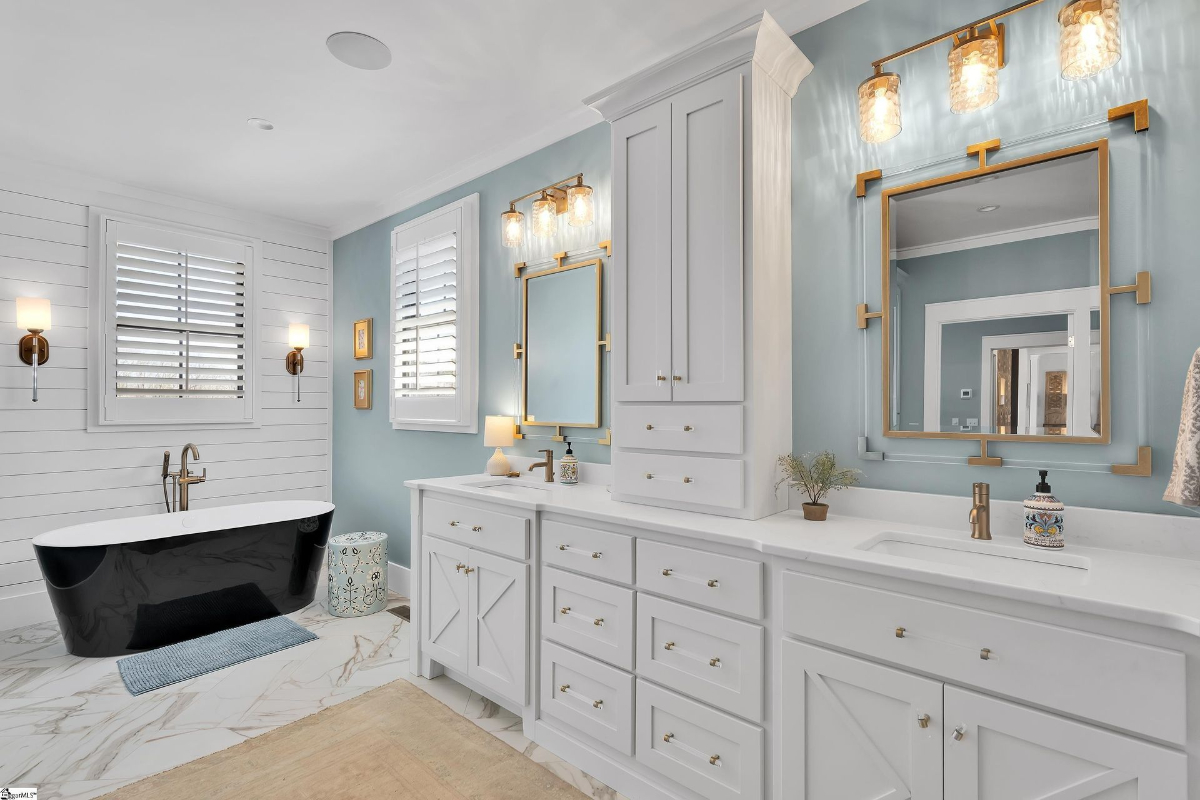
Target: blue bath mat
183, 661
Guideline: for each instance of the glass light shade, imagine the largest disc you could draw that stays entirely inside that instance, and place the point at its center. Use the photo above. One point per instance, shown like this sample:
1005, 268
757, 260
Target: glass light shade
1089, 37
879, 107
580, 210
974, 68
498, 431
33, 313
297, 335
512, 227
545, 217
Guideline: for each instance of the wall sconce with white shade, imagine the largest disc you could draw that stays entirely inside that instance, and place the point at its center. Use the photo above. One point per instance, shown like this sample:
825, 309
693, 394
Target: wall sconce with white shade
570, 196
33, 315
1089, 43
297, 340
498, 433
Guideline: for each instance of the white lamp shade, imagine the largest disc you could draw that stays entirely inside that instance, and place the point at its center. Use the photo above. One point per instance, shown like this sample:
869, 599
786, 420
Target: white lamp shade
33, 313
498, 431
297, 335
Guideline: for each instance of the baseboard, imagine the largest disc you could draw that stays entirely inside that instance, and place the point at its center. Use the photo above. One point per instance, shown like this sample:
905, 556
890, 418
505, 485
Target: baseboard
32, 607
398, 579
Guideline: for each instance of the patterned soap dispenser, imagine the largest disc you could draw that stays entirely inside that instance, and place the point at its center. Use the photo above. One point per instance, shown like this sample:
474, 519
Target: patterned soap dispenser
568, 468
1044, 516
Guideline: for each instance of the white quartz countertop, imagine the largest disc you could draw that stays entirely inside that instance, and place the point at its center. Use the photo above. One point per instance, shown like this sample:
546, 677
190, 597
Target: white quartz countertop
1137, 587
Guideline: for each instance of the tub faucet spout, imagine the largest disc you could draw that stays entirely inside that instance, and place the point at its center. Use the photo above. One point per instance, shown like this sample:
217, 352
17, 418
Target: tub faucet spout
185, 478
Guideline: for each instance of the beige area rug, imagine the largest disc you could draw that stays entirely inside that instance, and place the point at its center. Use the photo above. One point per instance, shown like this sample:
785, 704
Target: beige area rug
392, 742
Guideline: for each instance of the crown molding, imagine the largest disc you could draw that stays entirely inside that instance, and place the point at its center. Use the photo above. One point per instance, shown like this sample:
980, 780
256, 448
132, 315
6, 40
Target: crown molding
1003, 237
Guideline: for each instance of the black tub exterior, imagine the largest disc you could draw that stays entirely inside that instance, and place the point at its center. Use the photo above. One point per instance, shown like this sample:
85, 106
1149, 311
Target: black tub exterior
116, 599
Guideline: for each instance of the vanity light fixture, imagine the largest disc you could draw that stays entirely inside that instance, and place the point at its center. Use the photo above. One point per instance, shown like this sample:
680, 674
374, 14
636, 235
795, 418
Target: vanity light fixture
33, 315
297, 340
570, 196
1089, 42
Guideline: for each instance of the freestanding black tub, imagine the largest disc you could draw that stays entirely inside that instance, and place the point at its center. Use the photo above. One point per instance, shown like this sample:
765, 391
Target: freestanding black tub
134, 584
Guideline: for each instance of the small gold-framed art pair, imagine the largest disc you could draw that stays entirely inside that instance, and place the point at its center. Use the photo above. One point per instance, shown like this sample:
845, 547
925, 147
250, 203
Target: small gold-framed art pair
362, 389
363, 338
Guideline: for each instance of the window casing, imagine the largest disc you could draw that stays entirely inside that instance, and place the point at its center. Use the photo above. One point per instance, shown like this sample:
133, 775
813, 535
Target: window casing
434, 322
173, 341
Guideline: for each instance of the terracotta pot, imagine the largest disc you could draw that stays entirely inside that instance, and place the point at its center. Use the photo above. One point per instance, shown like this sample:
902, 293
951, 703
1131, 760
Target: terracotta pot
816, 511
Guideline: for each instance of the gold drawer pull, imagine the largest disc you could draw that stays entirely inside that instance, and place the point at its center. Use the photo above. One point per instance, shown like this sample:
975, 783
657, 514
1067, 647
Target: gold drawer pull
597, 554
477, 528
923, 721
564, 688
686, 479
649, 427
687, 428
714, 584
459, 567
959, 733
985, 654
713, 760
562, 547
669, 646
598, 622
566, 548
667, 572
668, 737
453, 523
597, 703
565, 610
468, 570
660, 377
714, 662
677, 378
649, 476
900, 632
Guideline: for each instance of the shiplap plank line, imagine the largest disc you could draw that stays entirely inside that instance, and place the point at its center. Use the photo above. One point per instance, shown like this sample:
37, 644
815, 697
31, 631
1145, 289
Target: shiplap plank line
43, 272
38, 250
302, 305
292, 287
295, 255
79, 439
43, 229
29, 205
57, 294
55, 420
295, 272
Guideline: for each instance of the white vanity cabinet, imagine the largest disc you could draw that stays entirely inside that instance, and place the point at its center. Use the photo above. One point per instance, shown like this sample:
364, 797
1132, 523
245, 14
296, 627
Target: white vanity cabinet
702, 273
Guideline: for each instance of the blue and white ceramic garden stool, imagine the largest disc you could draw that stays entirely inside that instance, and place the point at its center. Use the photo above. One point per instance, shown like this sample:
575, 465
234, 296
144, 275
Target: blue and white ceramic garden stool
358, 573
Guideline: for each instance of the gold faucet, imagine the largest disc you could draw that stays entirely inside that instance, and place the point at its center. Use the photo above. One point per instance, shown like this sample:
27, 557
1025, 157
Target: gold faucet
184, 478
548, 464
981, 512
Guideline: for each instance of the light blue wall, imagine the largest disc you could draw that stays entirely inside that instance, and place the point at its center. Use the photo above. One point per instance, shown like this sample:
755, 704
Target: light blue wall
1154, 177
370, 460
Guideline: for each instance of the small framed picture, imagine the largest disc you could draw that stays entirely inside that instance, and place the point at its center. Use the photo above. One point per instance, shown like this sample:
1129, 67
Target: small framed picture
362, 388
363, 339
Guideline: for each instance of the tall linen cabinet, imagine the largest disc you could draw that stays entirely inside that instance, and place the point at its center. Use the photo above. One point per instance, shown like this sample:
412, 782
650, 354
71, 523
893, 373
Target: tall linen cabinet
702, 356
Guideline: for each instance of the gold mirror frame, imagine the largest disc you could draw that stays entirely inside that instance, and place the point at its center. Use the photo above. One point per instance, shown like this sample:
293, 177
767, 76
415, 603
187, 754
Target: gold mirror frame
523, 348
1100, 147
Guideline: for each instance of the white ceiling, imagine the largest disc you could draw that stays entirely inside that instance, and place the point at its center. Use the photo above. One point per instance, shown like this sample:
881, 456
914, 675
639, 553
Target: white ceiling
156, 93
1032, 201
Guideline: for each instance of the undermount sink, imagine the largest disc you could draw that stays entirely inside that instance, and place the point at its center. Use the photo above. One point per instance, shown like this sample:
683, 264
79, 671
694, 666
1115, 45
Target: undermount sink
994, 559
513, 488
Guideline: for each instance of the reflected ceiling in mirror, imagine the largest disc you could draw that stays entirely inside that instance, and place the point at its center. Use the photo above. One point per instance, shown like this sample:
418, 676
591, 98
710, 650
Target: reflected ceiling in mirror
995, 301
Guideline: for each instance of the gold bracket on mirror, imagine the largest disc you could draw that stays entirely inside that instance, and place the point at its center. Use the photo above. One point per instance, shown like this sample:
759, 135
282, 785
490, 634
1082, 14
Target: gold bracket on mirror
560, 257
1139, 470
607, 245
517, 267
863, 178
1140, 287
1139, 110
863, 315
983, 459
518, 350
607, 440
981, 149
606, 343
517, 431
558, 434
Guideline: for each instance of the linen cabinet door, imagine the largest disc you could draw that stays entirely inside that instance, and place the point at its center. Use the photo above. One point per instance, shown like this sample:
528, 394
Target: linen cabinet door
706, 241
444, 602
853, 730
997, 750
498, 610
642, 254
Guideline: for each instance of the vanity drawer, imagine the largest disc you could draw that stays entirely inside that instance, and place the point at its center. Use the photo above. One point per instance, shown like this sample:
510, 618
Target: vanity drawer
1134, 686
481, 528
685, 428
724, 583
602, 554
591, 697
713, 658
713, 482
592, 617
706, 750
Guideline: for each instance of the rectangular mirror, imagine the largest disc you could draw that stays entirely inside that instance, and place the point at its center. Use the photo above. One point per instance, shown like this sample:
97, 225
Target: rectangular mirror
995, 301
561, 340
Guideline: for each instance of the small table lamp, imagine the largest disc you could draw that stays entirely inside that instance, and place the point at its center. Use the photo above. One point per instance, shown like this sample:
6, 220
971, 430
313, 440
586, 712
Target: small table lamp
498, 433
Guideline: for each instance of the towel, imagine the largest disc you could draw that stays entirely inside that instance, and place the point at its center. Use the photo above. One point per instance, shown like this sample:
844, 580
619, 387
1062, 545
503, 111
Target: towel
1184, 487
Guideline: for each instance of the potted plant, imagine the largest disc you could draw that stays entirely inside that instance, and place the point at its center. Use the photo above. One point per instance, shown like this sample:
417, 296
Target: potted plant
817, 475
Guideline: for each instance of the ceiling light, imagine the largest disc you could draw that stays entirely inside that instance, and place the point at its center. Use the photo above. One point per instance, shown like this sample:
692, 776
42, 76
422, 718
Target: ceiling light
359, 50
986, 209
974, 65
1089, 39
879, 107
512, 226
261, 124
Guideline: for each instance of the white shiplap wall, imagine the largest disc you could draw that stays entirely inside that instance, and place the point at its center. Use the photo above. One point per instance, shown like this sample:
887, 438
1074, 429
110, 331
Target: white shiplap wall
52, 471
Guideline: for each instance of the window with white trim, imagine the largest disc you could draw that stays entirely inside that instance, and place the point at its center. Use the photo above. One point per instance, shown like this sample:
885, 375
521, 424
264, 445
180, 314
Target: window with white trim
434, 320
173, 340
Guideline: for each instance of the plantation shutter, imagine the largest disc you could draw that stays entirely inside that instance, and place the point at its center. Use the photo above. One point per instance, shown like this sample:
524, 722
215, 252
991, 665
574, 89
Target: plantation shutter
426, 321
179, 344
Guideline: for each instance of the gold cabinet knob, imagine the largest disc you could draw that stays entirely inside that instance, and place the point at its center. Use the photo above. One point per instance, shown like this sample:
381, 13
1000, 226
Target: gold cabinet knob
453, 523
687, 428
597, 554
649, 427
668, 737
667, 572
477, 528
985, 654
686, 479
459, 567
676, 378
649, 476
564, 688
713, 760
565, 610
468, 570
669, 646
900, 632
562, 547
714, 584
598, 622
959, 733
597, 703
714, 662
661, 377
923, 721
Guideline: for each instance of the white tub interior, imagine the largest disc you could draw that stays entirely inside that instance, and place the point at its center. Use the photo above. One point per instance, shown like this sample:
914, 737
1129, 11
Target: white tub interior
161, 526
